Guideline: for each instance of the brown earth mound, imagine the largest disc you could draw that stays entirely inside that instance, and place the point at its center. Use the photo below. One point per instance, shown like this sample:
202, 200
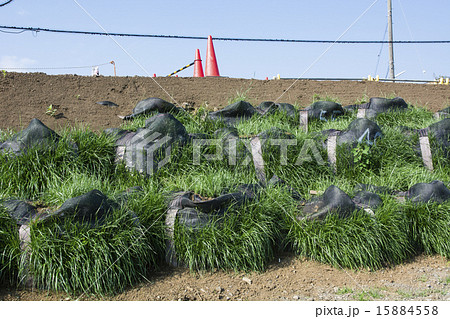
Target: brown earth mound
28, 95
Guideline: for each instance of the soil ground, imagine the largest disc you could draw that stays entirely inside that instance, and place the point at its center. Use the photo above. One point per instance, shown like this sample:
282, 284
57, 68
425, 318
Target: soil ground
26, 96
288, 278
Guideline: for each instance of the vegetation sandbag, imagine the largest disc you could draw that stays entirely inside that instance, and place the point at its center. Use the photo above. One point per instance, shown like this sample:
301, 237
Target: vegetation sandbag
333, 200
360, 131
240, 110
383, 105
324, 110
269, 107
152, 104
20, 211
367, 200
441, 134
436, 191
359, 240
242, 239
36, 134
91, 208
167, 125
78, 259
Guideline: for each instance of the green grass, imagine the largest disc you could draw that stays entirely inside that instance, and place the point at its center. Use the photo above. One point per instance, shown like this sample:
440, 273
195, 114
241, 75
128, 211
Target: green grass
423, 278
428, 227
359, 241
243, 239
29, 175
241, 95
240, 240
9, 249
318, 97
344, 290
76, 259
404, 294
371, 294
413, 117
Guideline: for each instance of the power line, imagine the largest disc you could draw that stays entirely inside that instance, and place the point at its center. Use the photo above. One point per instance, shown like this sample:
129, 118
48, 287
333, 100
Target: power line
5, 3
381, 49
57, 68
411, 35
184, 37
13, 32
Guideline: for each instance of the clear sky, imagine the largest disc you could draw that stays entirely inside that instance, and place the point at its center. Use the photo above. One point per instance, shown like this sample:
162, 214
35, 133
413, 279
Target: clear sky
296, 19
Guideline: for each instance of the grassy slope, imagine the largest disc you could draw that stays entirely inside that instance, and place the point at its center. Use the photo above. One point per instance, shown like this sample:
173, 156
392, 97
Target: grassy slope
65, 257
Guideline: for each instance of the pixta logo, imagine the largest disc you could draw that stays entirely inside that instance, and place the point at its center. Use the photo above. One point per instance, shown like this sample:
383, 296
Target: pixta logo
145, 149
228, 149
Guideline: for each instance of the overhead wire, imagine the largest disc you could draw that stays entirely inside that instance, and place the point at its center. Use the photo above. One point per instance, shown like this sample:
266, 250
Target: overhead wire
189, 37
13, 32
419, 58
56, 68
327, 49
124, 50
5, 3
381, 49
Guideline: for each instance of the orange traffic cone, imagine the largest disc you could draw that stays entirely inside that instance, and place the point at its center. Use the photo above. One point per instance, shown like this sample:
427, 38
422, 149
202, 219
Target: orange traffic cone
198, 68
211, 68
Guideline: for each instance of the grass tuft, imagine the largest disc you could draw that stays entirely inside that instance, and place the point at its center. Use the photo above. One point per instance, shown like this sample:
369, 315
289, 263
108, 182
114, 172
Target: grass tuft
243, 239
76, 259
428, 227
360, 241
9, 249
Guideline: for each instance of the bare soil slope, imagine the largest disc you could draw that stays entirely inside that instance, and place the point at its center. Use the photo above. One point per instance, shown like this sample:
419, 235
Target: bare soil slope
28, 95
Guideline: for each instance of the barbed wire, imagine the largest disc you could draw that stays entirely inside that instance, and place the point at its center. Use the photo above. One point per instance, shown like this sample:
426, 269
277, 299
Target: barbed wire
186, 37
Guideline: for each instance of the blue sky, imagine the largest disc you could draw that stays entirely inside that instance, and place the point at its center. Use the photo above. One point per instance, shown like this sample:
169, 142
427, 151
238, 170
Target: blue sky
300, 19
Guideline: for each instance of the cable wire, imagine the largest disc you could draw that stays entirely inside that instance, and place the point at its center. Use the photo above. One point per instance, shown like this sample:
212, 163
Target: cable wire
125, 51
327, 49
381, 49
56, 68
411, 35
5, 3
188, 37
13, 32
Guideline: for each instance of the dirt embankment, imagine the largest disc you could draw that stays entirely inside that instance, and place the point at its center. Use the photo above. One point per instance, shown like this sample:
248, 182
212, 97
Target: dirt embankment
28, 95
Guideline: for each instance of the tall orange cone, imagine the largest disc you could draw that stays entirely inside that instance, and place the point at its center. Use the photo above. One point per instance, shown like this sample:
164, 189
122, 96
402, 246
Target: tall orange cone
198, 68
211, 68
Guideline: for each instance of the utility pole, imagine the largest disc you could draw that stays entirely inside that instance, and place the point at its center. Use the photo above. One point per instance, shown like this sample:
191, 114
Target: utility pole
391, 45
